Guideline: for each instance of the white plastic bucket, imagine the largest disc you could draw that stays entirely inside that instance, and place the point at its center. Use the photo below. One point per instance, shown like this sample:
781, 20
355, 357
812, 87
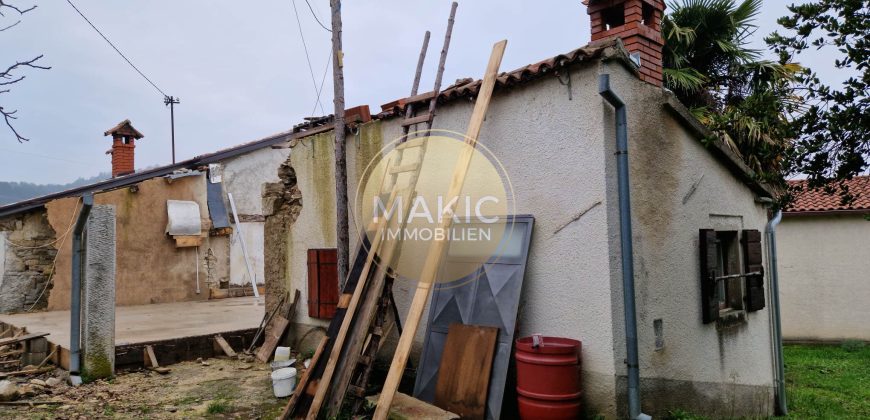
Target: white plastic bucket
282, 353
283, 381
280, 364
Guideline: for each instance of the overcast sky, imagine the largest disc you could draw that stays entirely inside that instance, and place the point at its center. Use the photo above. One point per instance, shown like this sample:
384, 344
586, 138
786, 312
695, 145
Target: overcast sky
240, 70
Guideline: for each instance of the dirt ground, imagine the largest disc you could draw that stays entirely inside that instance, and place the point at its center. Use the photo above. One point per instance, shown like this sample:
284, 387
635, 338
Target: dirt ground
219, 388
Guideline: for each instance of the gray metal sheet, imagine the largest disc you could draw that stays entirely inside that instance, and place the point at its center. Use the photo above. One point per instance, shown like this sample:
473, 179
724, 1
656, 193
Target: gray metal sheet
491, 300
216, 208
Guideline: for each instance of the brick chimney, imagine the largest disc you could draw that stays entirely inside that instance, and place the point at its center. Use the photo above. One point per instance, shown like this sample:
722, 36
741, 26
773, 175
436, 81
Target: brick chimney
639, 24
124, 138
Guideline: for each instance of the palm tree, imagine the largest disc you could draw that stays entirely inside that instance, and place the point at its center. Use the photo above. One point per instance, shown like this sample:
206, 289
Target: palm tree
744, 100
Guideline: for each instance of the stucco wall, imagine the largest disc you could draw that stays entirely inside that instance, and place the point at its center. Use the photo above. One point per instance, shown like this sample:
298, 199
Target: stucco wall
551, 147
558, 151
824, 263
150, 269
244, 177
677, 188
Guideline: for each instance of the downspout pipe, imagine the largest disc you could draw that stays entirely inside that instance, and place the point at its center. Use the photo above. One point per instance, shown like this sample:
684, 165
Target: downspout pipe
78, 270
781, 407
626, 246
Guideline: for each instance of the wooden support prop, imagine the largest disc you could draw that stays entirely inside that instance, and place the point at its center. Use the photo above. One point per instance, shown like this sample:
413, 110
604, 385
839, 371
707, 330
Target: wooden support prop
227, 349
150, 358
436, 251
303, 381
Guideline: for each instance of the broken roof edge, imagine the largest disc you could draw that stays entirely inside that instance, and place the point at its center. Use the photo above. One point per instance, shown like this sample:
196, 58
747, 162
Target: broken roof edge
136, 177
717, 147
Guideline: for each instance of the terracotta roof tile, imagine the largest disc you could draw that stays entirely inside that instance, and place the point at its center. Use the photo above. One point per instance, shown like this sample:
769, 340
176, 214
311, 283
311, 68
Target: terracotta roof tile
468, 87
819, 201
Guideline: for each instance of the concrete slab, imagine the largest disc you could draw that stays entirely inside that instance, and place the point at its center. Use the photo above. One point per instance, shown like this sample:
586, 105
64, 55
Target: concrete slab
149, 323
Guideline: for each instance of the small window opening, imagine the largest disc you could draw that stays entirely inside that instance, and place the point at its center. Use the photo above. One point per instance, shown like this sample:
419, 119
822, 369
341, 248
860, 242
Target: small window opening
613, 17
648, 15
127, 139
729, 287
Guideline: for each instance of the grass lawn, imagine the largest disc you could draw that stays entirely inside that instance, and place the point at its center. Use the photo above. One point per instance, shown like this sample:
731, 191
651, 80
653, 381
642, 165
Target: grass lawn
828, 382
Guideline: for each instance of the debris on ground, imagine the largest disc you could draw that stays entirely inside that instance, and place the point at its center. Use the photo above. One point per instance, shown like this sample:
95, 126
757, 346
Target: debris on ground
219, 388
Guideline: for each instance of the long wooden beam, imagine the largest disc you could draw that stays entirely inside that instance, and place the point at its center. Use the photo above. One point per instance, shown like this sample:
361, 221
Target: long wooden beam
436, 251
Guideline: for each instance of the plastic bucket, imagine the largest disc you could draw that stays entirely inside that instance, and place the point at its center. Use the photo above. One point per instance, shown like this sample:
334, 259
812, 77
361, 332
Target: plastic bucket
280, 364
283, 381
282, 353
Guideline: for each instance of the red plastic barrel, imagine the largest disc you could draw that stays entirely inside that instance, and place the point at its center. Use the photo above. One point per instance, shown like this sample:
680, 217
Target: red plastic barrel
548, 378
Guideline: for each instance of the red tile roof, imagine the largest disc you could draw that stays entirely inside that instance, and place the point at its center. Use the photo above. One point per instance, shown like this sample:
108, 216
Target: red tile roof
468, 87
808, 201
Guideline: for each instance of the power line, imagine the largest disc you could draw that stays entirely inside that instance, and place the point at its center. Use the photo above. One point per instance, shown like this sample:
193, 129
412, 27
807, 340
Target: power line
307, 56
116, 48
322, 82
315, 17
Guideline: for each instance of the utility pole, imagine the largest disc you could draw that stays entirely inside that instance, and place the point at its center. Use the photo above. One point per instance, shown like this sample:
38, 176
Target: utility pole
341, 217
171, 101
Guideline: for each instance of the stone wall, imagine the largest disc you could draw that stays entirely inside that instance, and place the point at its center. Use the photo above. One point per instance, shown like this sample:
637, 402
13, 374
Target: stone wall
282, 202
28, 257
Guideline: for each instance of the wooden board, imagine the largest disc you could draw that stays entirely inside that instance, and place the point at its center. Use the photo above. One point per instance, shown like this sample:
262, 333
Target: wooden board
274, 333
187, 241
227, 349
13, 340
150, 358
436, 250
463, 378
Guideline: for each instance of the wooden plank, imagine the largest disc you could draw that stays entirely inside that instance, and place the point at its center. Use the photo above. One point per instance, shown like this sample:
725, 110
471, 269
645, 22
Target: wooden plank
20, 338
463, 378
26, 372
228, 350
150, 357
436, 251
303, 381
187, 241
273, 337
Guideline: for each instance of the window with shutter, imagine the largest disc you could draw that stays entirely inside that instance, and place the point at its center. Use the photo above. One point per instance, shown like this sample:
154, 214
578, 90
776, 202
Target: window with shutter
754, 270
709, 270
322, 282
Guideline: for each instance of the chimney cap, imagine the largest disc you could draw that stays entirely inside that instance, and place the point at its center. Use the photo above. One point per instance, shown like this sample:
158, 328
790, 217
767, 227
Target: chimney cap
124, 128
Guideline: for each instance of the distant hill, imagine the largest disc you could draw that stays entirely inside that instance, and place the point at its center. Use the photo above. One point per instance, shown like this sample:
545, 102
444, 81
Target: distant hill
12, 192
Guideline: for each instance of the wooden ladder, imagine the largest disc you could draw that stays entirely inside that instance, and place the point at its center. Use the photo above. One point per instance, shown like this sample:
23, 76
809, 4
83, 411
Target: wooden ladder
349, 343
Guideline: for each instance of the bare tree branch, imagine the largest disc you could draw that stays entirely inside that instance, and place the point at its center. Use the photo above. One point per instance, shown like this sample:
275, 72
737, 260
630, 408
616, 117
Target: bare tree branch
3, 29
6, 76
15, 8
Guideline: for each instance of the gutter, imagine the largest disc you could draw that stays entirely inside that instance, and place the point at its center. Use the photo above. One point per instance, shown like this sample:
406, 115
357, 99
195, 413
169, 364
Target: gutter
626, 247
76, 290
779, 375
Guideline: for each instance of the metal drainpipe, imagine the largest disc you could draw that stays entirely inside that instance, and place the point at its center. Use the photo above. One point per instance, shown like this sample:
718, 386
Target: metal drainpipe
76, 289
627, 251
781, 406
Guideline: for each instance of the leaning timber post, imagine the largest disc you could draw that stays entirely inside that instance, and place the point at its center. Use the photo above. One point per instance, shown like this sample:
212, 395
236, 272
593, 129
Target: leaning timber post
341, 211
98, 295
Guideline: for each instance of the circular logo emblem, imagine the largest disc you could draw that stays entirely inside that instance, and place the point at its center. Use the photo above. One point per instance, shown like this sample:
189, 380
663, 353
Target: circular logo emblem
434, 198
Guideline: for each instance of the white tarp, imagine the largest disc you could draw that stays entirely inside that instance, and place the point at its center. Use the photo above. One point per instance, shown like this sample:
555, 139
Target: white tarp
183, 218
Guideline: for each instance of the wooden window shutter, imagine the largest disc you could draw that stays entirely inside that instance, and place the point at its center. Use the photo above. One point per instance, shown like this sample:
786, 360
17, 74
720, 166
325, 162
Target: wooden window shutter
752, 252
709, 257
322, 282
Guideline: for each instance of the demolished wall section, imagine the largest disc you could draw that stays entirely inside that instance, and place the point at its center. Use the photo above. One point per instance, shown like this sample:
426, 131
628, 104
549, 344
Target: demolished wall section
28, 254
282, 203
